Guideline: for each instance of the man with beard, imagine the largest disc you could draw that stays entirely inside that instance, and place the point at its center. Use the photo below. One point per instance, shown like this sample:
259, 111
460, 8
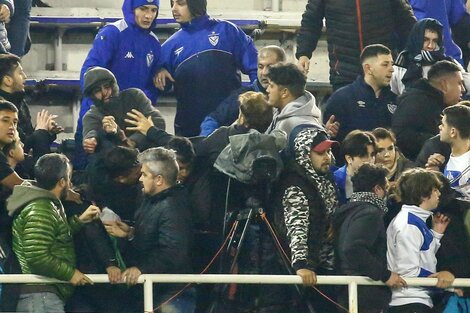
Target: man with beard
304, 204
104, 123
42, 234
159, 242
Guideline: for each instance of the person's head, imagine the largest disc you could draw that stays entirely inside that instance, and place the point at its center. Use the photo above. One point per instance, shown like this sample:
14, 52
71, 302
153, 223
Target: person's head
377, 65
432, 38
285, 84
185, 156
455, 123
447, 77
312, 148
255, 112
100, 85
387, 154
159, 170
425, 35
419, 187
53, 172
185, 10
358, 147
267, 57
12, 76
8, 122
145, 12
14, 151
122, 165
371, 178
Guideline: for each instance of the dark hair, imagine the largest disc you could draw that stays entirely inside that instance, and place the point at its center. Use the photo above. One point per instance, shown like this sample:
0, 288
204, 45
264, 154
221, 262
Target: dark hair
119, 161
356, 142
7, 106
368, 176
9, 147
458, 116
8, 63
375, 50
278, 51
416, 184
289, 76
256, 110
441, 69
50, 169
183, 148
381, 133
196, 7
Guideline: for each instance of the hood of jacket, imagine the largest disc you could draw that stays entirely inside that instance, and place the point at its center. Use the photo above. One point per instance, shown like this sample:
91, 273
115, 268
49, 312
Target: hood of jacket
415, 42
302, 106
25, 193
128, 11
96, 76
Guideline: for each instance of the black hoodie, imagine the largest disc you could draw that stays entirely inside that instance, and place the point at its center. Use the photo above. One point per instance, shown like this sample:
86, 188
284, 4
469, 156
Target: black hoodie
361, 249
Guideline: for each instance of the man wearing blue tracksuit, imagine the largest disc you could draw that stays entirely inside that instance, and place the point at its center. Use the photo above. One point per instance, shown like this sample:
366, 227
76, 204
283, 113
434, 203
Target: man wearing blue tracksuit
129, 49
204, 59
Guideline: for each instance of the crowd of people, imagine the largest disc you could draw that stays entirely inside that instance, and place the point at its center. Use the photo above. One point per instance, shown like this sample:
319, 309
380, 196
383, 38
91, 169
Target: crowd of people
373, 184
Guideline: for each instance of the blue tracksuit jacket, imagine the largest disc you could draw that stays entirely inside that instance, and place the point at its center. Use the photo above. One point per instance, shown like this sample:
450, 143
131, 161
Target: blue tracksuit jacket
205, 57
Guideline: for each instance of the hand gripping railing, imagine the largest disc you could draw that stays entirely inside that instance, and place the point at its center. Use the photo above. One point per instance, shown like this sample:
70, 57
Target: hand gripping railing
149, 279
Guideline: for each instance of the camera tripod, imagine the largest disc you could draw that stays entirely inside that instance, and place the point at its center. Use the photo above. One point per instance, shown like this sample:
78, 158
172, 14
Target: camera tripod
244, 224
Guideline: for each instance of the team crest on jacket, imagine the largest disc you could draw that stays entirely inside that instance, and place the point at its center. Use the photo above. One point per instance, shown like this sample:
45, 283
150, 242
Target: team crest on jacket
391, 107
214, 39
149, 58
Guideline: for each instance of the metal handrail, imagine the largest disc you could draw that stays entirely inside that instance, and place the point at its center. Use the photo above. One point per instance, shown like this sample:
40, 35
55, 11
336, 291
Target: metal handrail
149, 279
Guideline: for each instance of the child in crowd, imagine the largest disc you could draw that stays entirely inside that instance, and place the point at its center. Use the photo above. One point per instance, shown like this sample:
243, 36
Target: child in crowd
412, 246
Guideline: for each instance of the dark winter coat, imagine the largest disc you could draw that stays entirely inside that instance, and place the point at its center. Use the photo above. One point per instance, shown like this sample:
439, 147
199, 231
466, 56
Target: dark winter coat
355, 106
361, 249
417, 117
162, 237
352, 25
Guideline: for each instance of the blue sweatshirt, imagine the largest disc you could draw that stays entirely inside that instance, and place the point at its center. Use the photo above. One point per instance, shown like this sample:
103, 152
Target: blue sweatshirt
205, 57
129, 51
449, 13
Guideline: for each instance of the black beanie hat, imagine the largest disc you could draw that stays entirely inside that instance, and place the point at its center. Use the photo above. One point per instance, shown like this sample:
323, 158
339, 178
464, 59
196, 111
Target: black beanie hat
197, 7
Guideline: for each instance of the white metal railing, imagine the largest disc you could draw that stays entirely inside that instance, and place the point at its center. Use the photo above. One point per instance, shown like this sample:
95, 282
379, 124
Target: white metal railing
149, 279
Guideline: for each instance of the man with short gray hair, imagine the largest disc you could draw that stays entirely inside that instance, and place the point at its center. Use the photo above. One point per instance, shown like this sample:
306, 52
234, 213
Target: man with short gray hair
160, 240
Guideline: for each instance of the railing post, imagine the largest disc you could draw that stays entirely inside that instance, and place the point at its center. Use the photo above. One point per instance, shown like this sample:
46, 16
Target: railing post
148, 295
352, 288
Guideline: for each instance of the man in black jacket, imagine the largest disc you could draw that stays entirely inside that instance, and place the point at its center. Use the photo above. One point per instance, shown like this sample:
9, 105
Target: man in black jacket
159, 242
360, 239
12, 88
352, 25
419, 110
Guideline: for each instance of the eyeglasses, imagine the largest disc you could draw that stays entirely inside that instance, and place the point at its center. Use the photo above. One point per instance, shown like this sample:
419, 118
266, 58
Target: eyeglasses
384, 151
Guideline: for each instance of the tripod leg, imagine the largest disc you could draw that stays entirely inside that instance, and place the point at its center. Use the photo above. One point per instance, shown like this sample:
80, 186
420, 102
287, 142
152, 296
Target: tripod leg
286, 263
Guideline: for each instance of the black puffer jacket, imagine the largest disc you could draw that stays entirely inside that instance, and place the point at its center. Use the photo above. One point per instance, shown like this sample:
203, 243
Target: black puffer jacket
352, 25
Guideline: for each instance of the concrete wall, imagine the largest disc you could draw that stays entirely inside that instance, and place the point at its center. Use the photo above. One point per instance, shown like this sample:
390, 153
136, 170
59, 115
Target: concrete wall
286, 5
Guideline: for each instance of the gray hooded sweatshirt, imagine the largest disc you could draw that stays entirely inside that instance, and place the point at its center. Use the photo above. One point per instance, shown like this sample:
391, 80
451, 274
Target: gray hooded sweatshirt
302, 110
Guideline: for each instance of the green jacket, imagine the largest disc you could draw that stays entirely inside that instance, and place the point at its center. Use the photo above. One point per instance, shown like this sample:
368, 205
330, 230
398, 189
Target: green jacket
42, 236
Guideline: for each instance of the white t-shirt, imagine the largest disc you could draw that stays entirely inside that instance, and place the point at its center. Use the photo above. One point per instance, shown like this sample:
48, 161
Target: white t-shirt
455, 166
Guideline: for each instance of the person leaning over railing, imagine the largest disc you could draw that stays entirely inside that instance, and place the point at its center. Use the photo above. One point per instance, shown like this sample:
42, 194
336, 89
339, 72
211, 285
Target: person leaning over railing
42, 234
